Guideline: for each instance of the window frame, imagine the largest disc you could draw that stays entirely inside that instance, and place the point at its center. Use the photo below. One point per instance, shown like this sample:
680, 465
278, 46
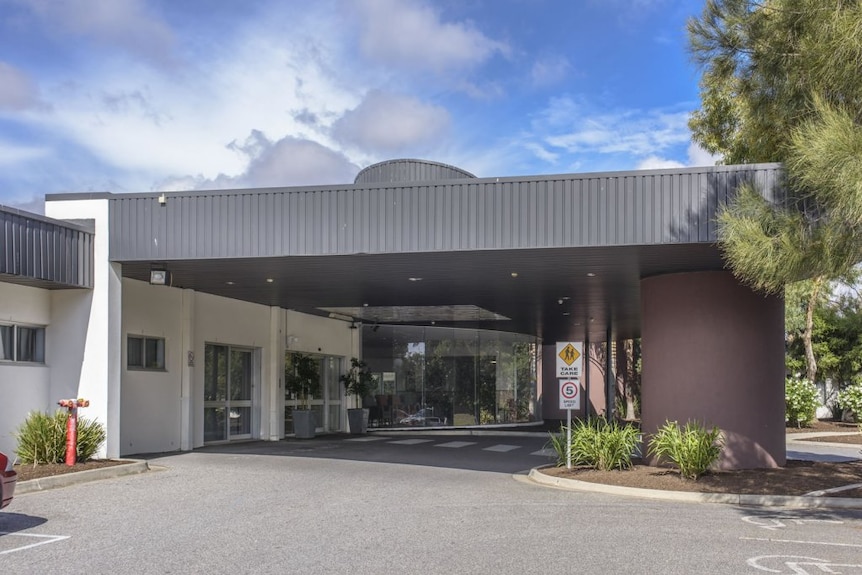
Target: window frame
39, 349
144, 352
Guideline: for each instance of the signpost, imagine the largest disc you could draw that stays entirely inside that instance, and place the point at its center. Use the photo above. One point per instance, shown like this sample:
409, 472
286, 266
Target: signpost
570, 362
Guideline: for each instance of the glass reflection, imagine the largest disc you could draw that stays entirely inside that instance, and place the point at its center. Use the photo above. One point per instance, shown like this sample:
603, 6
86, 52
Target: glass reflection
435, 376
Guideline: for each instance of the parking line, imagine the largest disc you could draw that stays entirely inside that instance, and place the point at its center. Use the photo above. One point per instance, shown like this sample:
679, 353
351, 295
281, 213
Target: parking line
410, 441
46, 539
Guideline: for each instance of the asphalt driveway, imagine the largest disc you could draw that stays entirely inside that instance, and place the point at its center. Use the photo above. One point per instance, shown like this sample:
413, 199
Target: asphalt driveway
456, 504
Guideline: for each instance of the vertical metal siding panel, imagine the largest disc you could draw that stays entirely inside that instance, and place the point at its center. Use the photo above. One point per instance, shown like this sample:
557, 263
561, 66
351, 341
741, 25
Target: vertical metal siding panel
707, 207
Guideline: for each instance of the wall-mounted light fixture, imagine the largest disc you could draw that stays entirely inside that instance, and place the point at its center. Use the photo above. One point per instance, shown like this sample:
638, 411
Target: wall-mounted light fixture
159, 277
163, 199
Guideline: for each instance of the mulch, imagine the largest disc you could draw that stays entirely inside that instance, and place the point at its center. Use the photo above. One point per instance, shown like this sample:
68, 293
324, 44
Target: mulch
27, 472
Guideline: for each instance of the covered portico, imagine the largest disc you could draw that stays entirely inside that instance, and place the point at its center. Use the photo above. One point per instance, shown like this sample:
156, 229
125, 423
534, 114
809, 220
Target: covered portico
571, 257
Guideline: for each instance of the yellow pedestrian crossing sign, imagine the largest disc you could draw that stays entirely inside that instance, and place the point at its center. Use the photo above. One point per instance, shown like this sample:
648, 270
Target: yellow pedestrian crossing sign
569, 355
570, 359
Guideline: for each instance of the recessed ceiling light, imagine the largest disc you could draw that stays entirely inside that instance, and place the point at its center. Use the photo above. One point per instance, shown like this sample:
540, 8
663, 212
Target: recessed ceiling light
566, 313
591, 275
365, 305
229, 283
269, 280
415, 279
514, 274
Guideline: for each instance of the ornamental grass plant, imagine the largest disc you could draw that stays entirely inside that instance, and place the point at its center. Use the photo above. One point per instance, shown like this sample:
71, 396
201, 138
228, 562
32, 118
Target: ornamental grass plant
692, 448
597, 443
42, 438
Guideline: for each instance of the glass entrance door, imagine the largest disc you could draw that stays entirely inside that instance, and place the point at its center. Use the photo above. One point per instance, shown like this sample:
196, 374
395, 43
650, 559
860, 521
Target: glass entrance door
325, 403
228, 385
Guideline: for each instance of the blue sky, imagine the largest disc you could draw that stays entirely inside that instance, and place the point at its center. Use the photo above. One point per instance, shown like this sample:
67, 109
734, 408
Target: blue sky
147, 95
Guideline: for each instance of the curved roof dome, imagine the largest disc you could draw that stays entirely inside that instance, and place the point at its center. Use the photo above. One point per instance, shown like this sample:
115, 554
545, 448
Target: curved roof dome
406, 170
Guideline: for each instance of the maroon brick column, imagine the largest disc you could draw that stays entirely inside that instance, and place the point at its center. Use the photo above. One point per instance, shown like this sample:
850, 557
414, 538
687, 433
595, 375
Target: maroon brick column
713, 350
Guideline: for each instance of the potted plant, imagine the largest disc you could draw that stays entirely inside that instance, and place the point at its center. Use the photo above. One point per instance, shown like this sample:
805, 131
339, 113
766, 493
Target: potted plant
302, 380
358, 382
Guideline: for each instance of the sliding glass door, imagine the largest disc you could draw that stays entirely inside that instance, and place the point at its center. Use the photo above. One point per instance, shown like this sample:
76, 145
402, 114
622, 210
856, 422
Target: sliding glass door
228, 393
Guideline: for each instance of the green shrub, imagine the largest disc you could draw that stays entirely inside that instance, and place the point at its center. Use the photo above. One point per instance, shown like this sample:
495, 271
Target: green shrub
851, 398
42, 438
693, 448
598, 444
800, 400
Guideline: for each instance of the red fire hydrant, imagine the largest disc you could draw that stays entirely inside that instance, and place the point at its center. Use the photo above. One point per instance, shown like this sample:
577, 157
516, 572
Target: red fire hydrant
72, 427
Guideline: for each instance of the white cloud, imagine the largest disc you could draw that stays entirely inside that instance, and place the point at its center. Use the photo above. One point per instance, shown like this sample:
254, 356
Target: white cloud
574, 128
288, 162
11, 154
17, 90
656, 163
391, 123
411, 35
294, 161
549, 70
126, 24
697, 156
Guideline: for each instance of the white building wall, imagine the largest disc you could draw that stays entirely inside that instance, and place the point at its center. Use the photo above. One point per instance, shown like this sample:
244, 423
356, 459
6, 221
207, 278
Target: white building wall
24, 388
231, 322
96, 319
150, 412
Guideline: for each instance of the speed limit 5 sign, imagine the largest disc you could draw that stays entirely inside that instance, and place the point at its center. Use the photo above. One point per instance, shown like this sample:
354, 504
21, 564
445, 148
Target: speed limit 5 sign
570, 394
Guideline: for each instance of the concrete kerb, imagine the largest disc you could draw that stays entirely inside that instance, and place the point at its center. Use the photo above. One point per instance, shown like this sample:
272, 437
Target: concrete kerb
134, 467
786, 501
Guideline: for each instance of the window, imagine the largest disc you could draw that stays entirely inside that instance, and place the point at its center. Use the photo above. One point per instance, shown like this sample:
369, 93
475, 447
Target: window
146, 352
22, 343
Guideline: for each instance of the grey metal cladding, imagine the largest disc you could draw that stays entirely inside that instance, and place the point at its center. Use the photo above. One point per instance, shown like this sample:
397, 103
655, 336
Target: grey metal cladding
41, 252
571, 210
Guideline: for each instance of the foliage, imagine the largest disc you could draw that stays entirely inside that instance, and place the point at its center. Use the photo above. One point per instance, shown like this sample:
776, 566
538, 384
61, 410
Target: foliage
357, 381
780, 83
692, 448
762, 60
836, 330
302, 377
851, 398
42, 438
800, 400
597, 443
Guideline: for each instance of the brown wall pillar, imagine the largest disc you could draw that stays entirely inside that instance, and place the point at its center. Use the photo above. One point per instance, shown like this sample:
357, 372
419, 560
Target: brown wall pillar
713, 351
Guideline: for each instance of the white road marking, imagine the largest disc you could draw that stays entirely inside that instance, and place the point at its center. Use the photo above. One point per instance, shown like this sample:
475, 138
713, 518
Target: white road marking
774, 522
367, 438
502, 448
797, 564
796, 541
45, 539
456, 444
410, 441
545, 453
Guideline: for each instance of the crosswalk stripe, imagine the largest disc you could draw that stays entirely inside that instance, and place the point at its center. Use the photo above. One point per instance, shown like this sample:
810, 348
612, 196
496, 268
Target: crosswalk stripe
456, 444
502, 448
367, 438
410, 441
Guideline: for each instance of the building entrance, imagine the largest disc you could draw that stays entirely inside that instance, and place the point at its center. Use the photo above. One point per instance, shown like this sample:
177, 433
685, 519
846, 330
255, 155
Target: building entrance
229, 374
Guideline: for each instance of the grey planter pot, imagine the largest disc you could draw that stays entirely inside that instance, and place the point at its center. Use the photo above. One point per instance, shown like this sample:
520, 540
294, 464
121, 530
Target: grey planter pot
304, 424
357, 419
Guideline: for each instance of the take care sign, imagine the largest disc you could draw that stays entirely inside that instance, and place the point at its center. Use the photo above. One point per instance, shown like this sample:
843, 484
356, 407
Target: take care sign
570, 359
